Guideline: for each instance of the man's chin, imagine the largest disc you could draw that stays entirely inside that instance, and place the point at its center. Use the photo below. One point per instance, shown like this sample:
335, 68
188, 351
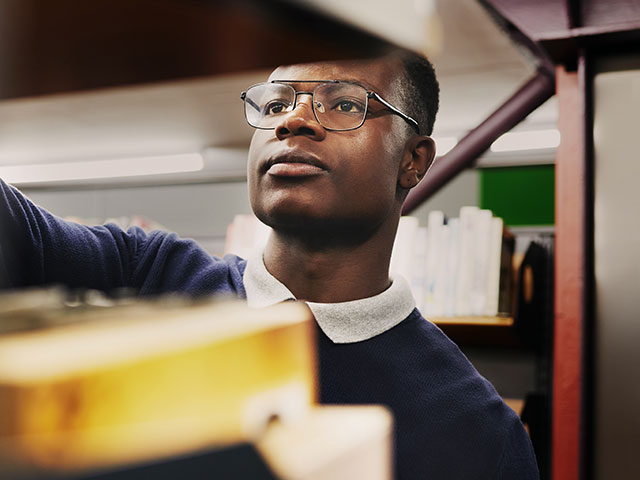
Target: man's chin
317, 229
292, 220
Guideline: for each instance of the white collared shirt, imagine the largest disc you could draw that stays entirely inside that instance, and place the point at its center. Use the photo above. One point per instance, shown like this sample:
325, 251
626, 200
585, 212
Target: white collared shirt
343, 322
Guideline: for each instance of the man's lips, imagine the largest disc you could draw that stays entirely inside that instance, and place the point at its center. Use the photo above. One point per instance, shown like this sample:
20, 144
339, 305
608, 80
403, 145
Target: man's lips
295, 164
294, 170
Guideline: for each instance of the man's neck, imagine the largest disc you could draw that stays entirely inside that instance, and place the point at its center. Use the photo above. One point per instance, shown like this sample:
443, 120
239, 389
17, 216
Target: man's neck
331, 272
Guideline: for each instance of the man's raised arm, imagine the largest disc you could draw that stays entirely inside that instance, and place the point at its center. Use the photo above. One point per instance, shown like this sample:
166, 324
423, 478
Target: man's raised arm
38, 248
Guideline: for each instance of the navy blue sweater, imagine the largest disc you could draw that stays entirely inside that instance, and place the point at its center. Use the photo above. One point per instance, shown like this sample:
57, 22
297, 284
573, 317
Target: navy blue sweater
449, 421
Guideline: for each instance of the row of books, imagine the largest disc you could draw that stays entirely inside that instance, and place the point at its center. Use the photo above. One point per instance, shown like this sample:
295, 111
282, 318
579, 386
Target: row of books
457, 266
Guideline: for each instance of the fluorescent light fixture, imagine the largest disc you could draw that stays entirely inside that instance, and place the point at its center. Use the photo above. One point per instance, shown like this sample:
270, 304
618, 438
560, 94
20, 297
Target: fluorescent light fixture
96, 169
444, 145
531, 140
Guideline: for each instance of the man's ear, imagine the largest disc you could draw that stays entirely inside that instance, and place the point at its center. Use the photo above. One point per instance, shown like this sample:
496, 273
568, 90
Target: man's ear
417, 158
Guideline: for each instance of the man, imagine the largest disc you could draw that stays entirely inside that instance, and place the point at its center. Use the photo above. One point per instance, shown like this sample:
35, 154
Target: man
336, 149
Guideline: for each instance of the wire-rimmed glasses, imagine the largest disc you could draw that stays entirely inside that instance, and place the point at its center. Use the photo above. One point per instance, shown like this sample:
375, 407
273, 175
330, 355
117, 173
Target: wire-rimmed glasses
337, 105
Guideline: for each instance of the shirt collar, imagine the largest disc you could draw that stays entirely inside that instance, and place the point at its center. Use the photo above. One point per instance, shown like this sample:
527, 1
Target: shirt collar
344, 322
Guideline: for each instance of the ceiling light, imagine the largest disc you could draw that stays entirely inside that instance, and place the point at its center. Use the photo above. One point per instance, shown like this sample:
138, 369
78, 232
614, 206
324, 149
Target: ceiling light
96, 169
527, 140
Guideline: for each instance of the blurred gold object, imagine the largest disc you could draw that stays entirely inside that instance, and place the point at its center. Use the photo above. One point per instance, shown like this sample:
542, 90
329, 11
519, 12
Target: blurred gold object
150, 380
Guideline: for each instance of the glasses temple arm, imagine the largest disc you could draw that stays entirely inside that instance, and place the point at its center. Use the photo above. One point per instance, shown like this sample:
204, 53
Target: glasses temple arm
249, 101
413, 123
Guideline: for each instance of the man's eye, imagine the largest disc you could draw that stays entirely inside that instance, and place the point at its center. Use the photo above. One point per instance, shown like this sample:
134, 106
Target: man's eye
349, 106
275, 108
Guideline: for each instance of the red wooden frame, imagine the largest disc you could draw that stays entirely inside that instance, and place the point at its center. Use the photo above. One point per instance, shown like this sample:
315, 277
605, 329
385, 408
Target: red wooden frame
570, 280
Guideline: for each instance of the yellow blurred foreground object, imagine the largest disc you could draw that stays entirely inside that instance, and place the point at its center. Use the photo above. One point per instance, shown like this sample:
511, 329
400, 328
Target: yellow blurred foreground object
150, 381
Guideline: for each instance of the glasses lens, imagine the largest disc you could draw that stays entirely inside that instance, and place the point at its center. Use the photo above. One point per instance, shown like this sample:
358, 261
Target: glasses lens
340, 106
265, 102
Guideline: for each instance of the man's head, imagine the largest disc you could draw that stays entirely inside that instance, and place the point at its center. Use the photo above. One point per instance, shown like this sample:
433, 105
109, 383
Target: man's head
303, 176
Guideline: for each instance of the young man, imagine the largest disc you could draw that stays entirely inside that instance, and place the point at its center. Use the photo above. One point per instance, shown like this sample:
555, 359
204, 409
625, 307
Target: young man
336, 149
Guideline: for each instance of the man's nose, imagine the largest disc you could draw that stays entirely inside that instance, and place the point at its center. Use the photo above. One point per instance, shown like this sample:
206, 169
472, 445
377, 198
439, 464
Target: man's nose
300, 121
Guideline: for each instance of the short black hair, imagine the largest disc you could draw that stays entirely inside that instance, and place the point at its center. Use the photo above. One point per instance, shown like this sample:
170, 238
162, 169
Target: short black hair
421, 92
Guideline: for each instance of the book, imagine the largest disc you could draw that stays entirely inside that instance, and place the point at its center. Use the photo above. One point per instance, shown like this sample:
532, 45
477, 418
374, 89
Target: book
480, 268
335, 442
419, 270
452, 262
458, 266
435, 225
245, 235
467, 251
494, 264
148, 380
506, 295
402, 255
441, 271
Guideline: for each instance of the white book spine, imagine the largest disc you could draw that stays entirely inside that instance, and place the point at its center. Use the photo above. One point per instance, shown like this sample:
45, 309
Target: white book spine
403, 248
467, 253
440, 286
495, 256
452, 263
246, 234
434, 224
480, 277
419, 278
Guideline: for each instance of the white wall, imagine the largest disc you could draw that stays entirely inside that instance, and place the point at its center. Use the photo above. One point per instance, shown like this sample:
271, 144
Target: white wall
200, 211
461, 191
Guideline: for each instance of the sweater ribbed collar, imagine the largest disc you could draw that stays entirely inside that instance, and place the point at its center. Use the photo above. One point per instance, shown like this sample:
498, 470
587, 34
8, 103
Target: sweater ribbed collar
344, 322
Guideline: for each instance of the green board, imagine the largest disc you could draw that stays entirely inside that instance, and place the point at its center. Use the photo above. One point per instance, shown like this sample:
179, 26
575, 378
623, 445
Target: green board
520, 195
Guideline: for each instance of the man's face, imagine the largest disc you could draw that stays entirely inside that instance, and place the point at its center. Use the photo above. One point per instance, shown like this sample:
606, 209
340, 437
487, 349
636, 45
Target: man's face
302, 176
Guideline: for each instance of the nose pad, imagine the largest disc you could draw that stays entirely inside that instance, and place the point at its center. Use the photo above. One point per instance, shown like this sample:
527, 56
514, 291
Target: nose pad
320, 107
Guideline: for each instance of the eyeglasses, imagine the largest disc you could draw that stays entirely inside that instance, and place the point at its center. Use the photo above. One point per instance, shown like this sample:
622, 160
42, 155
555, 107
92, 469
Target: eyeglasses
337, 105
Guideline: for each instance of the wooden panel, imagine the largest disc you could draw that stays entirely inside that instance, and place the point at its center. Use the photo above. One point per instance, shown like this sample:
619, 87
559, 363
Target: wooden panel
533, 18
69, 45
561, 28
571, 177
609, 12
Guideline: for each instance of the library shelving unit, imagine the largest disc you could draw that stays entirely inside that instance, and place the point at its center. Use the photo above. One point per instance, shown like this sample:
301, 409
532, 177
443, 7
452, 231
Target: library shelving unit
573, 42
580, 38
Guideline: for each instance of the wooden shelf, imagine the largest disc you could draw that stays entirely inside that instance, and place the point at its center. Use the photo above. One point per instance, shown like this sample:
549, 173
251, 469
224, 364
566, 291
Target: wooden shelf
76, 45
479, 331
474, 321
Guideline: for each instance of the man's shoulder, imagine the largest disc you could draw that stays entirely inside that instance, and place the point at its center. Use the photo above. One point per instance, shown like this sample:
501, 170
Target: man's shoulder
454, 404
439, 400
